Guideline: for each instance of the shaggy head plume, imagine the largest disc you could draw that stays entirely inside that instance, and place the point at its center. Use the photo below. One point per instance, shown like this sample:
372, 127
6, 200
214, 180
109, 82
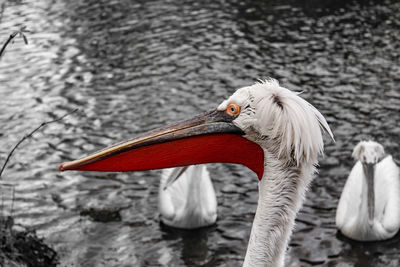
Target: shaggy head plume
272, 112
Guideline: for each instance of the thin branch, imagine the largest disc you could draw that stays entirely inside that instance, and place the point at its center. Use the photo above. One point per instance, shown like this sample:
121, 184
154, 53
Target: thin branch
29, 135
12, 36
20, 32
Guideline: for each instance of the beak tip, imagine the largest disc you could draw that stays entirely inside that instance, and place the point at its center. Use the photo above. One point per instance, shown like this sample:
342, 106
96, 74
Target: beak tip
62, 167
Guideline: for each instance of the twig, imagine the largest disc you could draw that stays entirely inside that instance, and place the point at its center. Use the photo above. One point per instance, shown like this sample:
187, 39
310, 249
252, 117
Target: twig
12, 36
20, 32
29, 135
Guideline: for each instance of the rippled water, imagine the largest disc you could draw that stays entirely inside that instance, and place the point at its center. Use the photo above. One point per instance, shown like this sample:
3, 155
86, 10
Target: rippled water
130, 66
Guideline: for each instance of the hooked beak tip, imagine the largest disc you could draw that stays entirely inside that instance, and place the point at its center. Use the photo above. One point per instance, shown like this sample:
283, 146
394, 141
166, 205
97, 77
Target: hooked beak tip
62, 168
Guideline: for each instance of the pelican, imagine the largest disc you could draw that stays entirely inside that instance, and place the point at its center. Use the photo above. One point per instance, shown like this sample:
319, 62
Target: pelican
369, 207
186, 197
266, 127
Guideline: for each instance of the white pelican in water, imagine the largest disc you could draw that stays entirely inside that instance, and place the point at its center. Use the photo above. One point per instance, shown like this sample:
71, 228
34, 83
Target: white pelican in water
186, 197
266, 127
369, 207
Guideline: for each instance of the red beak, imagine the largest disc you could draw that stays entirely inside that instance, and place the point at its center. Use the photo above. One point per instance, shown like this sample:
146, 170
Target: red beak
207, 138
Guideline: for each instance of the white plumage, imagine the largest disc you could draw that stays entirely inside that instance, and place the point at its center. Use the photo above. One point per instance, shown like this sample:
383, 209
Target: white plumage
352, 215
187, 197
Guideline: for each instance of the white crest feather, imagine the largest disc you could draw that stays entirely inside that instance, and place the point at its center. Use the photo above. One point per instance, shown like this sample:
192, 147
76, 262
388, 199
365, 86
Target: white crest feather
278, 113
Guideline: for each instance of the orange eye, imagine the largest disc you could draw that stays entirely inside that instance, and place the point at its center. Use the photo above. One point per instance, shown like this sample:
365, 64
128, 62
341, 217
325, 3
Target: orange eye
233, 109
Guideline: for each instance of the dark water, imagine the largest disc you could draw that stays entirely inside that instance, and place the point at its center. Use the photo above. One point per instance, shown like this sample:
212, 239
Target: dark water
130, 66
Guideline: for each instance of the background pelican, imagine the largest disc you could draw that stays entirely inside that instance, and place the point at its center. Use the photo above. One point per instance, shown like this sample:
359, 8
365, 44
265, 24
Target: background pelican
369, 207
187, 198
266, 127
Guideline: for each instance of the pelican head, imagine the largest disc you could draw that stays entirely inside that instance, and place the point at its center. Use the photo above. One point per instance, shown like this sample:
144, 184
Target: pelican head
254, 117
278, 119
369, 153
